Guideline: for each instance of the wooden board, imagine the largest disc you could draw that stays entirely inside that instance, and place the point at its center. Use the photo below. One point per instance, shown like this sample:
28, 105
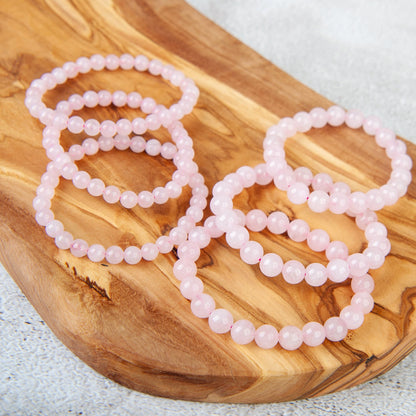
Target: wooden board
130, 323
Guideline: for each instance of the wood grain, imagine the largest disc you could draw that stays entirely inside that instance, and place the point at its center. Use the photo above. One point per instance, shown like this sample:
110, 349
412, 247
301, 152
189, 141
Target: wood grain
130, 323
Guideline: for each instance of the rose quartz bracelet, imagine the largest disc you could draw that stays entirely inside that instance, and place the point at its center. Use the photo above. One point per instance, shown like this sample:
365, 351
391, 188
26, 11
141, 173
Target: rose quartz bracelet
327, 195
158, 115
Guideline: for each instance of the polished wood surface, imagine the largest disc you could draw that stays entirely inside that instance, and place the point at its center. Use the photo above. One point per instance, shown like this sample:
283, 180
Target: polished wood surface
130, 323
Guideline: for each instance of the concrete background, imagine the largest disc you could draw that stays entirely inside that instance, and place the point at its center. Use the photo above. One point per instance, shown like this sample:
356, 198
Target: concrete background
360, 55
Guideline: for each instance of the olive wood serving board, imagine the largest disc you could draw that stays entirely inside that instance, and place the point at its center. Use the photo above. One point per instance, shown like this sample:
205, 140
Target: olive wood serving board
131, 323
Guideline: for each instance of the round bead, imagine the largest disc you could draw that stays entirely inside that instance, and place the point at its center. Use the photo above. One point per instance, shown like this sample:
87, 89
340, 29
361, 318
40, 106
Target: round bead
202, 306
256, 220
293, 272
277, 222
251, 252
313, 334
242, 332
290, 338
298, 230
266, 336
96, 253
271, 265
338, 270
237, 237
114, 254
191, 287
336, 329
353, 316
316, 274
318, 240
220, 321
132, 255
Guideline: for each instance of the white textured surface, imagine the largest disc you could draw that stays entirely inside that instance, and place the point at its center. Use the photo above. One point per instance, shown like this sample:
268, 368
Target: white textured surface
358, 54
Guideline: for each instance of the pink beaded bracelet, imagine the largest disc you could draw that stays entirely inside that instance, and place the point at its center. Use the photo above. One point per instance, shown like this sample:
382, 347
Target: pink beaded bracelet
327, 195
158, 115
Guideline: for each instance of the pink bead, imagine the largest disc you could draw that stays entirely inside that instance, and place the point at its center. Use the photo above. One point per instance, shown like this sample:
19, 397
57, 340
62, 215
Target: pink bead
389, 194
155, 67
338, 203
114, 255
251, 252
177, 235
145, 199
313, 334
53, 151
354, 119
284, 179
90, 99
375, 230
153, 147
191, 288
44, 217
277, 222
341, 188
298, 193
160, 195
322, 182
111, 194
63, 240
76, 102
124, 127
199, 236
226, 221
132, 255
148, 105
374, 199
241, 218
50, 179
318, 201
106, 143
90, 146
362, 284
220, 321
45, 191
266, 336
271, 265
288, 126
112, 62
293, 272
108, 128
79, 248
385, 137
211, 227
40, 203
137, 144
243, 332
318, 240
298, 230
92, 127
126, 61
97, 62
202, 306
402, 162
184, 269
96, 253
395, 149
105, 98
220, 204
336, 250
290, 338
275, 166
364, 301
128, 199
358, 202
262, 176
381, 243
168, 150
187, 223
83, 64
319, 117
188, 250
197, 201
141, 63
164, 244
335, 328
153, 122
365, 218
316, 274
235, 181
53, 228
247, 175
303, 175
352, 316
75, 124
81, 180
338, 270
375, 257
96, 187
371, 125
336, 115
256, 220
119, 98
303, 121
134, 99
149, 251
358, 264
195, 213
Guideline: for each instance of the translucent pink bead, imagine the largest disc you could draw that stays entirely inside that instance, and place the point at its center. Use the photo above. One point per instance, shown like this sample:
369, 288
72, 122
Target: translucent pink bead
362, 284
134, 99
247, 175
145, 199
382, 243
186, 223
63, 240
284, 179
336, 115
168, 150
354, 119
198, 201
39, 203
341, 188
178, 235
316, 274
160, 195
149, 251
277, 222
338, 270
262, 176
322, 182
313, 334
53, 228
335, 329
353, 316
336, 250
112, 62
90, 99
358, 202
271, 265
303, 121
191, 288
375, 230
290, 338
108, 128
365, 218
298, 193
402, 162
132, 255
293, 272
364, 301
266, 336
114, 254
75, 124
319, 117
164, 244
139, 125
81, 180
199, 236
188, 250
241, 218
374, 199
119, 98
195, 213
104, 98
298, 230
303, 175
220, 204
375, 257
92, 127
184, 269
83, 64
226, 221
141, 63
203, 305
251, 252
288, 126
121, 141
153, 147
256, 220
90, 146
79, 248
338, 203
318, 201
96, 253
318, 240
96, 187
174, 191
126, 61
128, 199
106, 143
243, 331
111, 194
44, 217
212, 228
389, 194
220, 321
358, 264
384, 137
